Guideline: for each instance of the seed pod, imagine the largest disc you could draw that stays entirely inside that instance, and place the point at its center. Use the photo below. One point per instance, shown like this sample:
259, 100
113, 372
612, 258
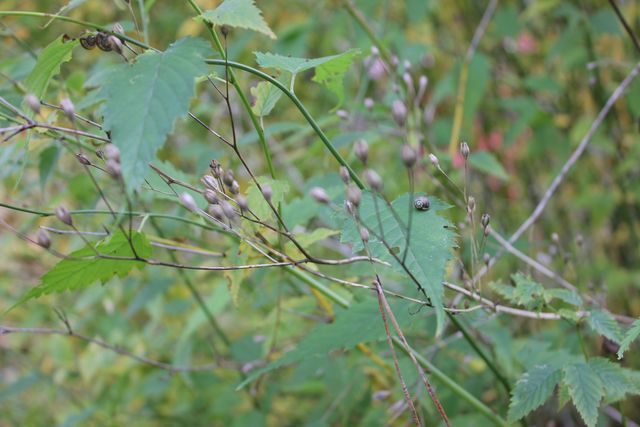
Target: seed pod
210, 196
364, 234
320, 195
485, 219
373, 179
228, 178
112, 152
117, 28
242, 202
464, 150
216, 168
434, 160
42, 238
399, 112
487, 230
354, 195
83, 159
409, 156
100, 154
471, 204
368, 103
187, 200
63, 215
235, 187
362, 150
210, 182
344, 174
227, 209
267, 192
343, 114
33, 103
216, 212
408, 81
114, 169
422, 87
422, 203
68, 109
348, 206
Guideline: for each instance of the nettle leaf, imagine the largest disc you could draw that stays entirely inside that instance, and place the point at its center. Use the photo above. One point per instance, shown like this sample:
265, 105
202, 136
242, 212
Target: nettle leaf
532, 390
629, 337
360, 323
603, 323
330, 70
73, 273
429, 248
617, 381
238, 13
48, 65
144, 100
570, 297
526, 291
586, 390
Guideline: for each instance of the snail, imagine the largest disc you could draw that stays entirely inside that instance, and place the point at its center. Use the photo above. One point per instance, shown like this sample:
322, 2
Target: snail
422, 203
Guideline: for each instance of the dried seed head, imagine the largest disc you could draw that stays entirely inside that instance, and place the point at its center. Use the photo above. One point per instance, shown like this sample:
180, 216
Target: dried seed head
68, 109
471, 204
228, 178
187, 200
373, 179
235, 187
464, 150
486, 258
368, 103
117, 28
210, 182
216, 168
344, 174
33, 103
84, 160
114, 169
485, 219
320, 195
399, 112
42, 238
362, 150
422, 203
434, 160
63, 215
354, 195
242, 202
210, 196
364, 234
409, 156
216, 212
112, 152
267, 192
227, 209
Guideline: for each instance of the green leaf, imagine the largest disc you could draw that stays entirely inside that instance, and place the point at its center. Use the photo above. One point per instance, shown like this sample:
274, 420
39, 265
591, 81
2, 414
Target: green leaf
526, 291
266, 95
429, 248
486, 162
73, 273
144, 100
48, 66
629, 337
585, 389
47, 163
617, 381
532, 390
238, 13
570, 297
603, 323
256, 201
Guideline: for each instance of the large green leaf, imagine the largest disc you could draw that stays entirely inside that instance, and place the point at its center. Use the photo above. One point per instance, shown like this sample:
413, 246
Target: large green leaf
74, 273
585, 389
617, 381
532, 390
629, 337
239, 13
144, 100
603, 323
266, 95
48, 65
429, 248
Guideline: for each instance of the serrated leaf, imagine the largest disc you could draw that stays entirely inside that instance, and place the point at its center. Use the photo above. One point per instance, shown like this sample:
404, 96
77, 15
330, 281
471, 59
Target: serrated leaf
240, 14
570, 297
430, 245
617, 381
73, 273
144, 100
603, 323
563, 396
629, 337
585, 389
256, 201
48, 66
532, 390
526, 291
486, 162
266, 95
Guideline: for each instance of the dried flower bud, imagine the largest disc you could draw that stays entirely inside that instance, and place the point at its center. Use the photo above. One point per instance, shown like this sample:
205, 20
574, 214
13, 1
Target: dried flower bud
422, 86
487, 230
216, 168
42, 238
362, 150
242, 202
375, 51
228, 178
464, 150
210, 182
114, 168
227, 209
434, 160
83, 159
117, 28
187, 200
485, 219
100, 154
422, 203
354, 195
33, 103
343, 114
407, 64
63, 215
368, 103
320, 195
399, 112
216, 212
486, 258
68, 109
224, 30
555, 238
409, 156
364, 234
471, 204
112, 152
408, 81
267, 192
235, 187
373, 179
395, 61
348, 206
344, 174
210, 196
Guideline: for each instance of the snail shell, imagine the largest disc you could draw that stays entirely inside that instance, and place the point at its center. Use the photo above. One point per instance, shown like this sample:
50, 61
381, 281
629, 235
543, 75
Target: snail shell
422, 203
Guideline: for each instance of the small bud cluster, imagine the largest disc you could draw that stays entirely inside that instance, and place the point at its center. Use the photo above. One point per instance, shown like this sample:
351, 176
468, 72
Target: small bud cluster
112, 158
484, 221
